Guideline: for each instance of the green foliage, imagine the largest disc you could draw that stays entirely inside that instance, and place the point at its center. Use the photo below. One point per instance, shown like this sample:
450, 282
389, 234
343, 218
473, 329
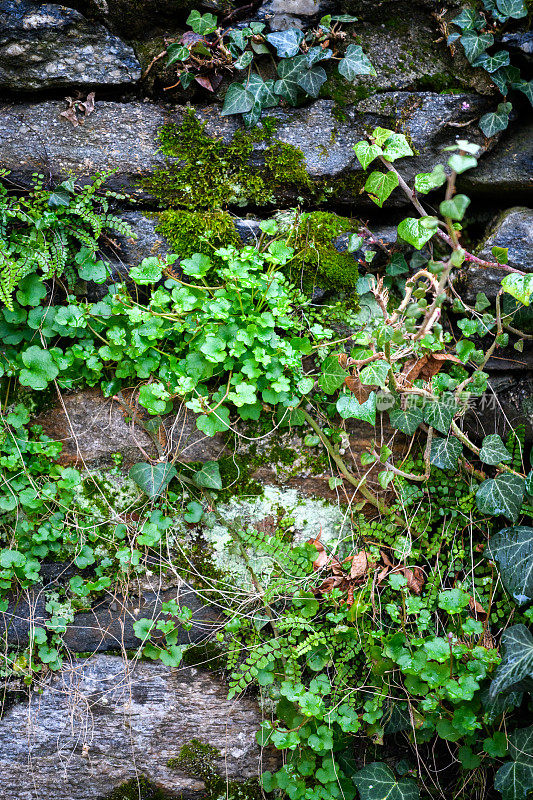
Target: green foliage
53, 233
474, 30
203, 56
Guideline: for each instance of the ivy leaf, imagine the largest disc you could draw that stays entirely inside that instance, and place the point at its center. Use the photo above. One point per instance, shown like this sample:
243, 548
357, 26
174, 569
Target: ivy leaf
396, 146
177, 52
445, 452
152, 478
408, 420
492, 63
202, 23
493, 450
375, 373
244, 60
31, 290
468, 20
524, 86
287, 43
355, 63
376, 781
516, 663
512, 549
519, 286
456, 207
312, 79
501, 254
40, 368
512, 8
496, 121
501, 495
379, 185
315, 54
439, 413
474, 44
366, 153
290, 71
264, 97
62, 194
238, 100
427, 181
414, 232
515, 779
216, 422
209, 476
349, 408
332, 375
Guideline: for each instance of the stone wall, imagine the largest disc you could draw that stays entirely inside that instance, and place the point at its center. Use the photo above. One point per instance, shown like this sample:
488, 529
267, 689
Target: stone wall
106, 721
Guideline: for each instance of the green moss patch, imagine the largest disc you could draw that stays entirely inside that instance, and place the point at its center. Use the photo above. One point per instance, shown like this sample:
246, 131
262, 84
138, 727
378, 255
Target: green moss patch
197, 232
197, 759
207, 173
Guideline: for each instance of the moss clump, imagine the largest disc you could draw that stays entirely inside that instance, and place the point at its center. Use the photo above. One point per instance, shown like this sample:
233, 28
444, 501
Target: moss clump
196, 759
441, 82
137, 789
197, 232
207, 173
312, 235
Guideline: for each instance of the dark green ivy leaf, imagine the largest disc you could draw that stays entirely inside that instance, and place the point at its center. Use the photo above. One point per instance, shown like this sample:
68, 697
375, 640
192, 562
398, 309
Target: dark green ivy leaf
512, 550
377, 781
445, 452
238, 100
515, 779
493, 450
501, 495
209, 476
152, 478
287, 43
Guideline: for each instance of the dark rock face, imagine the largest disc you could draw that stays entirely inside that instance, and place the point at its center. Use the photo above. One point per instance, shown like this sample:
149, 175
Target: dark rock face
104, 721
507, 172
50, 46
514, 230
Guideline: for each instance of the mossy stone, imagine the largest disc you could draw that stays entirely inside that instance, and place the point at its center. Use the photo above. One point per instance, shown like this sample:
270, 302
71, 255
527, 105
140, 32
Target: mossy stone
191, 232
196, 759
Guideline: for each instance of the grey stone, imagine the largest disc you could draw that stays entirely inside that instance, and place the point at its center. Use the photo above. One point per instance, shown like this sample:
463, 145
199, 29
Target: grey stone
507, 403
520, 43
108, 624
513, 229
122, 136
103, 721
50, 46
127, 251
507, 171
92, 428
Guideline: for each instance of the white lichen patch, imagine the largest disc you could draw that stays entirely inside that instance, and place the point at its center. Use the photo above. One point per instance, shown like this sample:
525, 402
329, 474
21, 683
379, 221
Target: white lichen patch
277, 508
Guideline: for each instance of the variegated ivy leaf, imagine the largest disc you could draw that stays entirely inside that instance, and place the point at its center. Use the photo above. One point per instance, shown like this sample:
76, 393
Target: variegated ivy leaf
290, 70
238, 100
445, 452
379, 185
355, 63
375, 374
264, 97
501, 495
526, 87
377, 781
332, 375
287, 43
505, 77
512, 549
152, 478
312, 79
517, 660
440, 413
492, 63
468, 20
512, 8
496, 121
474, 44
493, 450
366, 153
515, 779
427, 181
315, 54
415, 232
408, 420
349, 408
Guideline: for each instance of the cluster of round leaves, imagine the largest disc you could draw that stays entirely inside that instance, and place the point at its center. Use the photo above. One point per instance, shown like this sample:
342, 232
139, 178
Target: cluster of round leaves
207, 50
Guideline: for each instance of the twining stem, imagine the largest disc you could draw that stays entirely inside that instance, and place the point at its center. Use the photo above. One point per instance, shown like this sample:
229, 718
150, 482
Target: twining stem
471, 446
360, 484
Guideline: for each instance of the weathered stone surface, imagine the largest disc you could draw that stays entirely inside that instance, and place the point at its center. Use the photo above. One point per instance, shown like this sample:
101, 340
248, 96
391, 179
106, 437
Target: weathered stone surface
92, 427
507, 403
104, 720
108, 625
520, 43
49, 46
506, 173
122, 136
513, 229
138, 19
149, 242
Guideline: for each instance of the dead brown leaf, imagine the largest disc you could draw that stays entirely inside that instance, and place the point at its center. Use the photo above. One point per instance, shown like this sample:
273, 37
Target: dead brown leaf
477, 610
361, 392
425, 367
205, 82
415, 578
78, 106
359, 565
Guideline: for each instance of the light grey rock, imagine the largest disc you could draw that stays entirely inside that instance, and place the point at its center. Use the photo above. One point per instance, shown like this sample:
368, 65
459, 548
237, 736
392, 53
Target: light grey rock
92, 427
50, 46
123, 136
520, 43
103, 721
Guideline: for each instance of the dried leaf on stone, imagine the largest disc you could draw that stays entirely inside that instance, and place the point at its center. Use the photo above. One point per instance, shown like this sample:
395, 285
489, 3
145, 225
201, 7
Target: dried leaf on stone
88, 105
205, 82
415, 579
426, 367
477, 609
70, 115
359, 565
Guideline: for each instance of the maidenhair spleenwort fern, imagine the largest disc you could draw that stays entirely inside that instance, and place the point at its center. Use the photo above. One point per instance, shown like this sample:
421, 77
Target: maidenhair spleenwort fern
44, 230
